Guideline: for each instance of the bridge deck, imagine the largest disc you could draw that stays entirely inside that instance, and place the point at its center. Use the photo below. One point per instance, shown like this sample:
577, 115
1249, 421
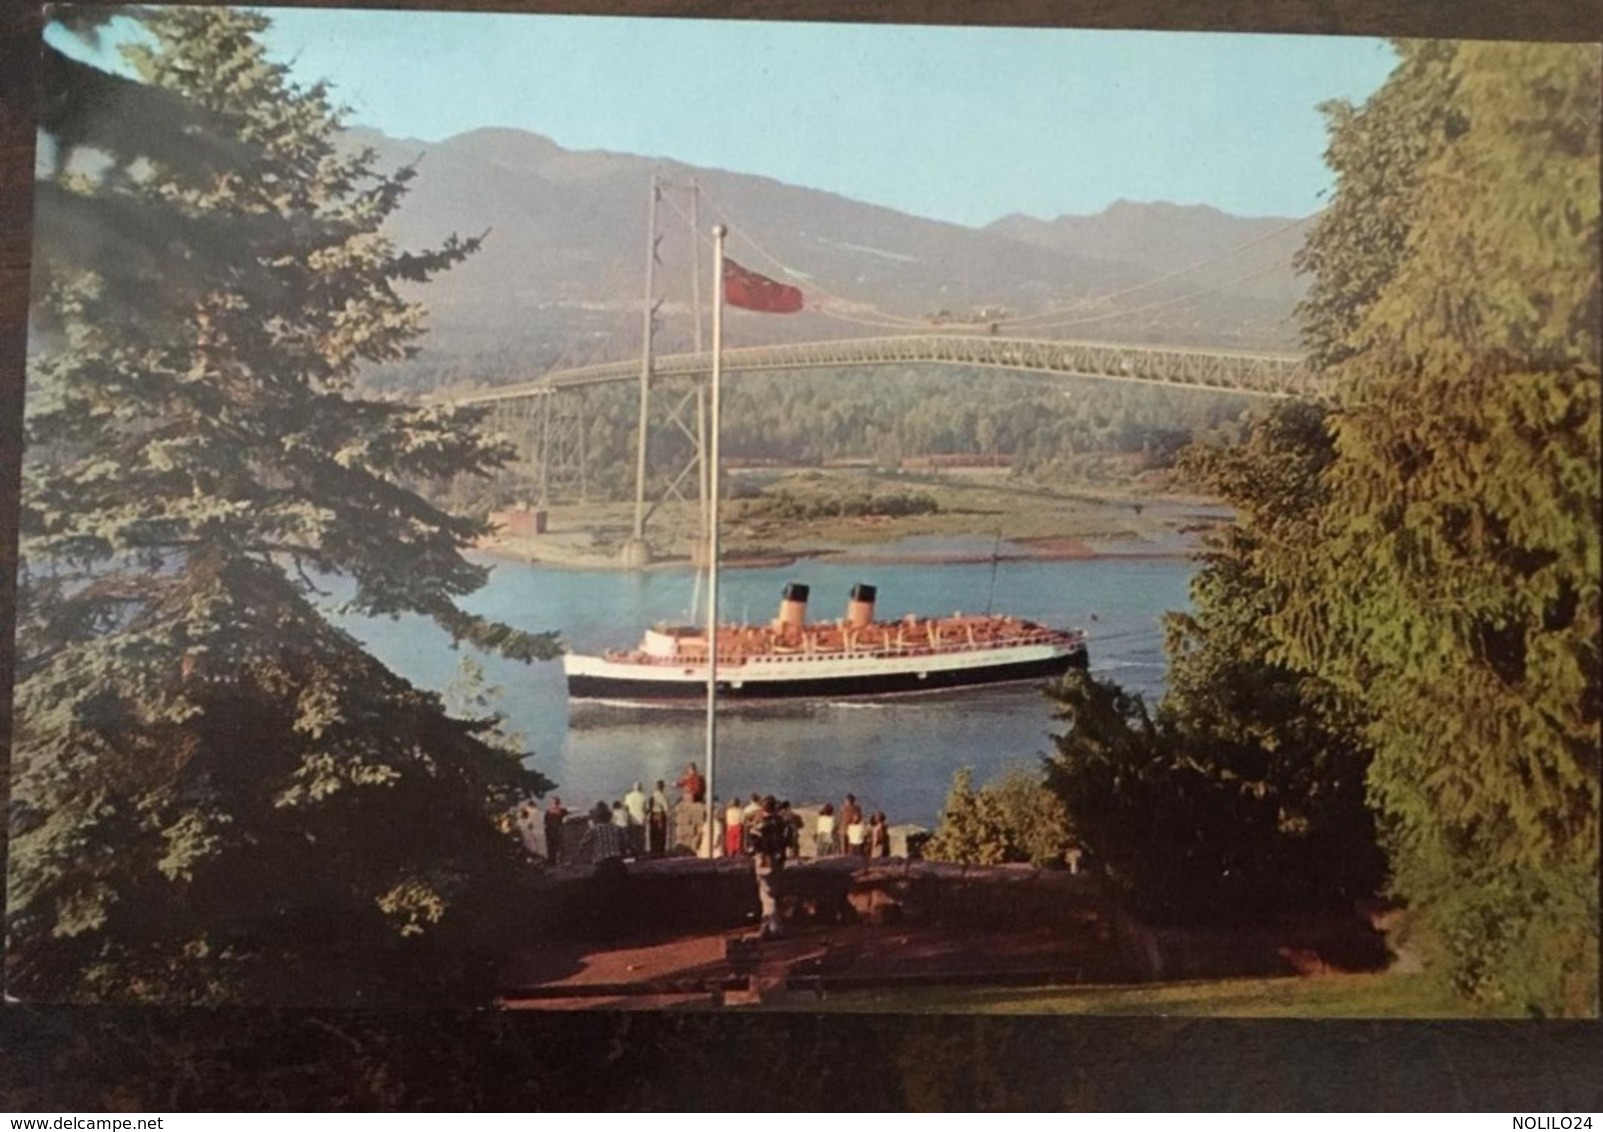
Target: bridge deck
1262, 374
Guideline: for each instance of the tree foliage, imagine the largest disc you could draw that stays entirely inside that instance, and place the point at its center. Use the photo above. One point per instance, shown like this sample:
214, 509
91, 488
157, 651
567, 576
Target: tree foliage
800, 501
1453, 583
1197, 819
1375, 154
1244, 795
1013, 820
218, 795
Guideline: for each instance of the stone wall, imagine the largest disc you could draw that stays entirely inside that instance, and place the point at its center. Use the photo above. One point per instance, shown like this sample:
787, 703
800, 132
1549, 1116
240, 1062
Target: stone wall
691, 893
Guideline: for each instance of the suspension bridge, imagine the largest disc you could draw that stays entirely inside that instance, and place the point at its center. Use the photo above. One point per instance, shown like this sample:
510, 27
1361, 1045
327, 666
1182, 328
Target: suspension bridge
547, 416
1270, 375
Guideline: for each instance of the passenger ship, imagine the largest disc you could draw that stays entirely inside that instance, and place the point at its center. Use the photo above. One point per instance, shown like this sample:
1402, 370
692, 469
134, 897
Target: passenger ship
791, 658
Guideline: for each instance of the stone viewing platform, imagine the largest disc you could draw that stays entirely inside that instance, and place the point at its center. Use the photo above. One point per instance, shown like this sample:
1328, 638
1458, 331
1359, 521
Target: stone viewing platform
692, 891
681, 931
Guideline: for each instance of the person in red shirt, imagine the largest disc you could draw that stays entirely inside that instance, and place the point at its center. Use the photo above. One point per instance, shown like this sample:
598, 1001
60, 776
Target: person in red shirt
693, 784
734, 829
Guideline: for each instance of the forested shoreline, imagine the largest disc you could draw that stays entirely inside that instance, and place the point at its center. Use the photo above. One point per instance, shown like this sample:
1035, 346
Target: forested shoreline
1054, 432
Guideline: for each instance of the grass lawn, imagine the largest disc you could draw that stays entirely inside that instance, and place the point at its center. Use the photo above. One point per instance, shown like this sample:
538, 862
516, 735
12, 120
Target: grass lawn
1322, 996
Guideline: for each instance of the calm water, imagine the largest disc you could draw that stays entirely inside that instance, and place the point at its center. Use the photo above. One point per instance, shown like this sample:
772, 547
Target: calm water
896, 755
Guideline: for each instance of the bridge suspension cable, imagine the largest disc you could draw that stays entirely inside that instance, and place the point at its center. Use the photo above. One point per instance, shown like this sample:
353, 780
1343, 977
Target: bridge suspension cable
1050, 318
613, 283
1085, 319
814, 289
1030, 320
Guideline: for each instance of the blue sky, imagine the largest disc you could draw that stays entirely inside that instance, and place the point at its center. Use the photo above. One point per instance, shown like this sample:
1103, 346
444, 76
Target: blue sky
959, 124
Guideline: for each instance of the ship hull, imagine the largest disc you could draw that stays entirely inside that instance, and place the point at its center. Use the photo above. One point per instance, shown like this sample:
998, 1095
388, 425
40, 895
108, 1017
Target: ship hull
614, 682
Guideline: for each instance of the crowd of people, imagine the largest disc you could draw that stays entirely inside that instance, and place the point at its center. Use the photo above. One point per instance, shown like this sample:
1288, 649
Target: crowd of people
647, 824
853, 831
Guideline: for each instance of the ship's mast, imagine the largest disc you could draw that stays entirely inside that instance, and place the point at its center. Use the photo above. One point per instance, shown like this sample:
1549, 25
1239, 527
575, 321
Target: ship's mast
996, 554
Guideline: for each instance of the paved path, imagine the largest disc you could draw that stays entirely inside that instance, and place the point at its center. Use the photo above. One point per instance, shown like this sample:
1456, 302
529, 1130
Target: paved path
710, 969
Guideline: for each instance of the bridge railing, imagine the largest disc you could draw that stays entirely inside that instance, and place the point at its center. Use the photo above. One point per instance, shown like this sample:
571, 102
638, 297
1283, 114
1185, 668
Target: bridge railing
1262, 374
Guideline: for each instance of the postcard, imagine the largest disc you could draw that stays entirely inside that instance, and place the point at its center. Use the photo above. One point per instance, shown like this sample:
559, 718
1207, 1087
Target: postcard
579, 512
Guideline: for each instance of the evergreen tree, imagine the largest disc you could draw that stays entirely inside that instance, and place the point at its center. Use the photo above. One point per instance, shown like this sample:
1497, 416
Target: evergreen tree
1295, 742
963, 836
218, 795
1376, 154
1195, 821
1245, 796
1453, 587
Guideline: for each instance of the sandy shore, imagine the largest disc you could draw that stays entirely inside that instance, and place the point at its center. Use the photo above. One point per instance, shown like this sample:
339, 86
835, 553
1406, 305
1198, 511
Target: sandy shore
977, 519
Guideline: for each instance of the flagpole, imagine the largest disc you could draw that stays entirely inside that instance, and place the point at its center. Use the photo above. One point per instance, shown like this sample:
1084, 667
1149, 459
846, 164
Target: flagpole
718, 233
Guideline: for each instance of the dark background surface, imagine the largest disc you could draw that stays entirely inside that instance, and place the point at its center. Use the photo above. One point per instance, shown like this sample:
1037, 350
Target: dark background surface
59, 1060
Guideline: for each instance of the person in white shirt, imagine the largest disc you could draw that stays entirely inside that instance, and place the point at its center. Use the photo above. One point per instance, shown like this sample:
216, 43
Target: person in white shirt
827, 845
528, 824
857, 838
634, 806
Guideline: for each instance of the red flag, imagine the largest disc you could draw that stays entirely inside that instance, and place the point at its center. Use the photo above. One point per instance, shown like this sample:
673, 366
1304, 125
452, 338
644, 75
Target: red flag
755, 292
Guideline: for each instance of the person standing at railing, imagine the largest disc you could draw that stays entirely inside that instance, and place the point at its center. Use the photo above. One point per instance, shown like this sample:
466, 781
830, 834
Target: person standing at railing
734, 823
604, 840
793, 826
634, 805
850, 815
828, 845
657, 820
857, 838
879, 837
768, 841
526, 822
555, 814
693, 785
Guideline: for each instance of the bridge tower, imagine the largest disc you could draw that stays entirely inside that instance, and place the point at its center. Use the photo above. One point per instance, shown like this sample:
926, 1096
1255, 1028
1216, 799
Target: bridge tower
684, 400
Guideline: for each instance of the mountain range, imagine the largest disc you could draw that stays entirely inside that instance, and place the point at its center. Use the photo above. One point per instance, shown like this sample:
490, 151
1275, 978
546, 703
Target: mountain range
561, 274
